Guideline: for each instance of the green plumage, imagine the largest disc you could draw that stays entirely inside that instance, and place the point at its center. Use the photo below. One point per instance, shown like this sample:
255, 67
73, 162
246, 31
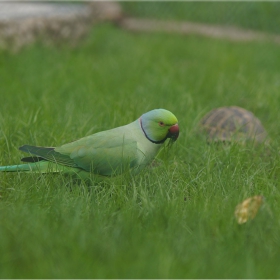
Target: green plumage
106, 153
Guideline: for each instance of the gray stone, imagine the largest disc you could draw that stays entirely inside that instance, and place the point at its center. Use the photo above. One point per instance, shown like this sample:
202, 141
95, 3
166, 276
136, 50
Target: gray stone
22, 23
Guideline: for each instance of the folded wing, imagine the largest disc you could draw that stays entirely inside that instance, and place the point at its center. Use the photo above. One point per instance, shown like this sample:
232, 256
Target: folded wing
107, 155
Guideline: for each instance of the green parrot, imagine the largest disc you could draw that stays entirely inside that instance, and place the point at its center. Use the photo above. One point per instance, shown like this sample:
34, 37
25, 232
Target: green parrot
107, 153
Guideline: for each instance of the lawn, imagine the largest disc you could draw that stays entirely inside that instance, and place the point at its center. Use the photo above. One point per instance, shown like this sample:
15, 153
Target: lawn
175, 220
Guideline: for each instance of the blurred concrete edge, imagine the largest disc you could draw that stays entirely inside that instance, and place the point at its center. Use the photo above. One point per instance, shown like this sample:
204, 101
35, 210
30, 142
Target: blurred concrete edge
22, 23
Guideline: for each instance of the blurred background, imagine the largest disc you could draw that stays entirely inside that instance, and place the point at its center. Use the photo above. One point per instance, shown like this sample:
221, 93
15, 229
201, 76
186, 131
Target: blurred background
73, 19
188, 57
261, 16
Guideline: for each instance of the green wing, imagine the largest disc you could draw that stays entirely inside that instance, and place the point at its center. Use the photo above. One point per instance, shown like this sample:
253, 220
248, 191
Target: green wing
106, 153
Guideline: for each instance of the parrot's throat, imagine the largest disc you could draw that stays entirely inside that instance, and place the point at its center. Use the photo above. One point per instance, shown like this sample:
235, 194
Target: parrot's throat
153, 141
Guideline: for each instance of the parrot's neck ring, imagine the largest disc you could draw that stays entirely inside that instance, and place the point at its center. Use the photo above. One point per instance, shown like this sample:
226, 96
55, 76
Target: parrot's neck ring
153, 141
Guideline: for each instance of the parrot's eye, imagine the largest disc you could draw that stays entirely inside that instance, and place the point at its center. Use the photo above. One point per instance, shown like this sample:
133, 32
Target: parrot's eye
161, 123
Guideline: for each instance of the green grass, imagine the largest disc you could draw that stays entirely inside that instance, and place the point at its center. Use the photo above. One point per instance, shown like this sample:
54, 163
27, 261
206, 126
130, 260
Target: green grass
258, 15
172, 221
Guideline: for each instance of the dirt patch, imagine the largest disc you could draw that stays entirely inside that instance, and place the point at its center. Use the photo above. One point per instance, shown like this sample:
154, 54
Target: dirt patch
187, 28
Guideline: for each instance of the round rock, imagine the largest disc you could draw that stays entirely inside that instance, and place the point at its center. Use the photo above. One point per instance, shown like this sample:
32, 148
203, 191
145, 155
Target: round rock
232, 124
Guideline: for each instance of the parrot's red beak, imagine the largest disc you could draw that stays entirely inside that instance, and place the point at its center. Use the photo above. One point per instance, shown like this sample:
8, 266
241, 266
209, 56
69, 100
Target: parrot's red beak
173, 132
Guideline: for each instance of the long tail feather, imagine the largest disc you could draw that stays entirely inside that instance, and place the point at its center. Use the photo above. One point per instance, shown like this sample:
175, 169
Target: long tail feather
40, 167
14, 168
45, 167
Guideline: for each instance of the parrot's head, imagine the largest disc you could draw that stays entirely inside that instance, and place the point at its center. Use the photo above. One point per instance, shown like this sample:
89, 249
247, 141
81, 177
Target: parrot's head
158, 125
